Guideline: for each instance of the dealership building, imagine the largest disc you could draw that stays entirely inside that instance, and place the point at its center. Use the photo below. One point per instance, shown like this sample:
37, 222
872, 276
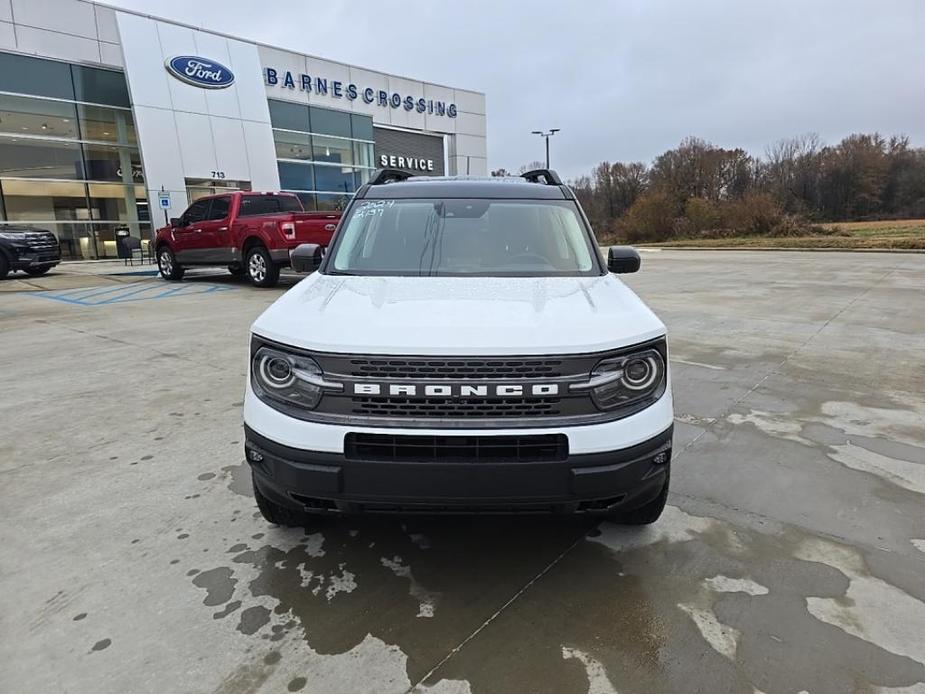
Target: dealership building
114, 120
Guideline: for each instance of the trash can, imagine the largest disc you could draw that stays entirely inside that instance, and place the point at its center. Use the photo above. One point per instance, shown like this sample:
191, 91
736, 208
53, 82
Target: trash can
122, 249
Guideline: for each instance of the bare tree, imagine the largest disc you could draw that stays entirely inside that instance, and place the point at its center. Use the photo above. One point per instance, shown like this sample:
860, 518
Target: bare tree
532, 166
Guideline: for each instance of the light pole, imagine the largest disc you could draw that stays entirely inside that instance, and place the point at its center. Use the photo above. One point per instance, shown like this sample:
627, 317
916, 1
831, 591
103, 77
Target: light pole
546, 136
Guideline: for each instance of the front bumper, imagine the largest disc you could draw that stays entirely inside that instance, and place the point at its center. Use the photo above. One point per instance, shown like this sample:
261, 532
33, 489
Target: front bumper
29, 260
620, 479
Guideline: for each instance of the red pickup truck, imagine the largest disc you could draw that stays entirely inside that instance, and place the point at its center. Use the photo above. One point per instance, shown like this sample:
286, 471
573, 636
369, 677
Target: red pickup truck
251, 233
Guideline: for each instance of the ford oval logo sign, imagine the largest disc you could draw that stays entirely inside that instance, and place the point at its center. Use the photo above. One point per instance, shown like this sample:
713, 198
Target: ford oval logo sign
200, 72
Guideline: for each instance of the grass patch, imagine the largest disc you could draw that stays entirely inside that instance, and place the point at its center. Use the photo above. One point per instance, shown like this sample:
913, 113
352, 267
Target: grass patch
886, 235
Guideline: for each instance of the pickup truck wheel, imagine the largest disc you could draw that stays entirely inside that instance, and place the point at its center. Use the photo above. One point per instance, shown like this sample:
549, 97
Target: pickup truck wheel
276, 514
644, 515
38, 271
261, 269
167, 264
4, 267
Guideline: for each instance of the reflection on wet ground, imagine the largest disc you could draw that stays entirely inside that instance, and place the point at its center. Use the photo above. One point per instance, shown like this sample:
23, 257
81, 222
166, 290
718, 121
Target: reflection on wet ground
690, 600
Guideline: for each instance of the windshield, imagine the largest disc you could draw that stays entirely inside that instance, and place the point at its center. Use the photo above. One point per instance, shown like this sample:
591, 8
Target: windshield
458, 237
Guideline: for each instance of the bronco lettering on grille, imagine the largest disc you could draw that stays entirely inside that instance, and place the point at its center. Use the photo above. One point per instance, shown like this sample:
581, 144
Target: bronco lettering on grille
501, 390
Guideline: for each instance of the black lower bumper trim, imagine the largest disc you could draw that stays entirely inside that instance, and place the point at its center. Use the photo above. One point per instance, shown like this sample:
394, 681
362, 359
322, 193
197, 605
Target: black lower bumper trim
316, 481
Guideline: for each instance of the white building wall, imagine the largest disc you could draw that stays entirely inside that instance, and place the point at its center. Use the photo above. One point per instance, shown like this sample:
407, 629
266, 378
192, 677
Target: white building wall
72, 30
189, 132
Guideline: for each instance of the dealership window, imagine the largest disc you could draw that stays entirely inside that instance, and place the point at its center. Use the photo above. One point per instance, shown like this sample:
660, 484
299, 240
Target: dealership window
323, 155
294, 176
69, 160
21, 115
332, 150
363, 154
335, 178
37, 158
328, 122
21, 74
109, 163
96, 86
289, 116
292, 145
103, 124
362, 127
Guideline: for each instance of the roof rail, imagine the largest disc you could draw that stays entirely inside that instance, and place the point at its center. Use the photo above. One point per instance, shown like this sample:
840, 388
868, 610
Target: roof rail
550, 177
381, 176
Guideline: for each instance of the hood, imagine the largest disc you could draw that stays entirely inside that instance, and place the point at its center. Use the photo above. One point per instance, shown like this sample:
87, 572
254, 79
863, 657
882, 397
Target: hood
449, 316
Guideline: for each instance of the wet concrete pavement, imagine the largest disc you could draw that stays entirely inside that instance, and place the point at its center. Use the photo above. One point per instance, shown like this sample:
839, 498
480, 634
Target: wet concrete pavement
791, 557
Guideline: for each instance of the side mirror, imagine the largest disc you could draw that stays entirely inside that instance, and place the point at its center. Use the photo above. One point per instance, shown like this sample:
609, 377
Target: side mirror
306, 257
622, 259
175, 222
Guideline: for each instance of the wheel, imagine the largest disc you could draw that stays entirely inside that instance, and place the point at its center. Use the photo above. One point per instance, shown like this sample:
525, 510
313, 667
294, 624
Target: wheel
4, 266
276, 514
236, 270
646, 514
38, 271
167, 264
261, 270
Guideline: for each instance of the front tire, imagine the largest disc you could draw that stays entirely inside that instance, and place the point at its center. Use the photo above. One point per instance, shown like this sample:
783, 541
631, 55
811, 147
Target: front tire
645, 514
168, 266
260, 268
38, 271
4, 267
236, 270
276, 514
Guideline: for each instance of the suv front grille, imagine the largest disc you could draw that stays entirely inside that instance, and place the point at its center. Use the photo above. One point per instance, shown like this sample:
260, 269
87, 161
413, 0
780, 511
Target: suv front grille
468, 407
453, 449
457, 392
456, 368
42, 241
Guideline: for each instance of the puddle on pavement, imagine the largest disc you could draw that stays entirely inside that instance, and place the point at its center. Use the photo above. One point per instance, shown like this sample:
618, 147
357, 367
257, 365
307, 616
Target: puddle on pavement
690, 603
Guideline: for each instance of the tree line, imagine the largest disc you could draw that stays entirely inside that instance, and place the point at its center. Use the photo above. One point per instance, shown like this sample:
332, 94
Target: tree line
699, 189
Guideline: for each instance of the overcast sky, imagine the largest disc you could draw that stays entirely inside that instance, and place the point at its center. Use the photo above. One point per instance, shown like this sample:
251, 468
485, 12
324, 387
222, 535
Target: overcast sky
624, 79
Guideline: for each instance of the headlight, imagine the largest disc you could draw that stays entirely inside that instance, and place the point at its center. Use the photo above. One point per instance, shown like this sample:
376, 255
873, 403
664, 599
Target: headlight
291, 379
628, 379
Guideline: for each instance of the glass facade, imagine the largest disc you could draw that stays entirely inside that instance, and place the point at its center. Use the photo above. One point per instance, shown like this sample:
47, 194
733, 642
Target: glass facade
69, 158
323, 155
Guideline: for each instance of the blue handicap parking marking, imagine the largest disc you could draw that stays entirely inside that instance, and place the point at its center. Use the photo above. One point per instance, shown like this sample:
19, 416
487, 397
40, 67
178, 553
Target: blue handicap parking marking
135, 291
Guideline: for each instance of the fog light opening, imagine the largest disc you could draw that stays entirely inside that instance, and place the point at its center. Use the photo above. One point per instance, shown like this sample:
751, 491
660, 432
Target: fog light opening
254, 456
661, 458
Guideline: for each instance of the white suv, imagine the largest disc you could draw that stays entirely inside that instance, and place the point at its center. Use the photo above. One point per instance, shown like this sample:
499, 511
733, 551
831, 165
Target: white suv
462, 347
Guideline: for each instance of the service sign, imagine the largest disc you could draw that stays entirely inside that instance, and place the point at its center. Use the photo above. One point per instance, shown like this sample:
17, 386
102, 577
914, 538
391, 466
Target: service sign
200, 72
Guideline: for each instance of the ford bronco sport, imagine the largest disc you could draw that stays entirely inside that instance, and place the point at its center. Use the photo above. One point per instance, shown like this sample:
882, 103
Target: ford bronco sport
463, 346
